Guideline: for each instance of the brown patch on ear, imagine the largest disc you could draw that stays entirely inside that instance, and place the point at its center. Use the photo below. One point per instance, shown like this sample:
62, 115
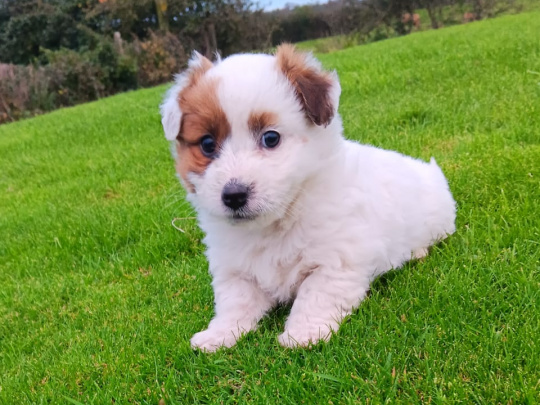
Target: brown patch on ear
201, 115
197, 70
312, 85
260, 120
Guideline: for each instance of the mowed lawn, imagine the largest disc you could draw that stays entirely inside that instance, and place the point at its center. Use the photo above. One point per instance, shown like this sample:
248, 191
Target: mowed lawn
99, 294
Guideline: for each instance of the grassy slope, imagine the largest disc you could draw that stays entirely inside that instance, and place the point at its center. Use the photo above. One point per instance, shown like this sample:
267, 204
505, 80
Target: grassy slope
99, 294
450, 15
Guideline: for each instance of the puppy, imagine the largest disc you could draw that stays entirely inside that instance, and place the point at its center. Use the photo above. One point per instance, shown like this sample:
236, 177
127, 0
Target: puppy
291, 210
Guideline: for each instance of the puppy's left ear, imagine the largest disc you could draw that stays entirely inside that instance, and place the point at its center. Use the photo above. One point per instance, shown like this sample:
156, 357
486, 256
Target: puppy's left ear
171, 115
317, 90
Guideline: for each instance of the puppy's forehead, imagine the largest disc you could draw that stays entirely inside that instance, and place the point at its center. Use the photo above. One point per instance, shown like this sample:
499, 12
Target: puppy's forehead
250, 84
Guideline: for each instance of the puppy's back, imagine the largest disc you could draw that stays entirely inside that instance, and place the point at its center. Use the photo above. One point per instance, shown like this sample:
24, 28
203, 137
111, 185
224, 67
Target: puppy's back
406, 202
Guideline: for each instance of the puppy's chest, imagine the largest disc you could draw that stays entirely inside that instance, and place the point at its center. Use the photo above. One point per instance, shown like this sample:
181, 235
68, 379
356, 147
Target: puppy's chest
281, 276
277, 266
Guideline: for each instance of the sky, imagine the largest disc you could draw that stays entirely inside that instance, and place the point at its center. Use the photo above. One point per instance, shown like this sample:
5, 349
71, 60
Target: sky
275, 4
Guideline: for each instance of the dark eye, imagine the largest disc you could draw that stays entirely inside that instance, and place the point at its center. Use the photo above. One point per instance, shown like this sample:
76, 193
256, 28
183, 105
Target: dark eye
270, 139
208, 145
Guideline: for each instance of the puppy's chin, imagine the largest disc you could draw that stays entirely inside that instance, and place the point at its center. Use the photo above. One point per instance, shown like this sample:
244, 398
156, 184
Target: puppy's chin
251, 219
261, 219
241, 217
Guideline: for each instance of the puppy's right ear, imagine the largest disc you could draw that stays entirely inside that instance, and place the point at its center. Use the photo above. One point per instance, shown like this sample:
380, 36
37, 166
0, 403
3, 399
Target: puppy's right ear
316, 90
171, 114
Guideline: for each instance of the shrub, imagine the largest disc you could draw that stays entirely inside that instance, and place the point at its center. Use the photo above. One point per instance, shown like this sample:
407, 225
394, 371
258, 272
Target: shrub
23, 37
67, 77
84, 76
158, 58
24, 91
74, 77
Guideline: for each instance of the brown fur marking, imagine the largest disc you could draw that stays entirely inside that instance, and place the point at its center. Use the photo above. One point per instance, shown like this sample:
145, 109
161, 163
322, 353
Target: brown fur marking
312, 85
201, 115
259, 121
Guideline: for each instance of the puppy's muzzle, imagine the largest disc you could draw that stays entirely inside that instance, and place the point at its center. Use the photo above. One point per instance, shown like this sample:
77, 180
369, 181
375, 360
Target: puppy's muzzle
235, 195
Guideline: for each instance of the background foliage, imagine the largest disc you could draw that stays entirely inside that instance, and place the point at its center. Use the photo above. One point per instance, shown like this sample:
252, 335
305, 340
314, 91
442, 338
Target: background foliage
56, 53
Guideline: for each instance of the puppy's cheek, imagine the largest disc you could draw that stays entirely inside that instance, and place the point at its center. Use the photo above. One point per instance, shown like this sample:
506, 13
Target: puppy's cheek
191, 165
194, 182
207, 195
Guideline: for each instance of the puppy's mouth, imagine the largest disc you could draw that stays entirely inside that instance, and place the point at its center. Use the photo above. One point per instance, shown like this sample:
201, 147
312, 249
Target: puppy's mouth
238, 216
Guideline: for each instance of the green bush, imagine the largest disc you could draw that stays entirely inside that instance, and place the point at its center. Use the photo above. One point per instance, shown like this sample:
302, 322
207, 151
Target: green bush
23, 37
65, 77
75, 78
158, 58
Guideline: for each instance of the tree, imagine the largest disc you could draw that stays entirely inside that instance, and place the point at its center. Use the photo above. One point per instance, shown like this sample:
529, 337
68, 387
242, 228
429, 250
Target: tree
433, 8
390, 12
299, 24
161, 11
23, 36
129, 17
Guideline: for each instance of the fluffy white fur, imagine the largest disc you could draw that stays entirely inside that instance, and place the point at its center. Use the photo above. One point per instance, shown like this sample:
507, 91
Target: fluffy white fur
328, 215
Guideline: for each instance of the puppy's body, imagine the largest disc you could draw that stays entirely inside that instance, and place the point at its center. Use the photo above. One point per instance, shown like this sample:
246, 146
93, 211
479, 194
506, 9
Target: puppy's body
324, 216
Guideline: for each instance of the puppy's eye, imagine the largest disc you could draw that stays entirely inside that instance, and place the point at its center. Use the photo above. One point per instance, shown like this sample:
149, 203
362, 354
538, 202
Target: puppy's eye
270, 139
208, 145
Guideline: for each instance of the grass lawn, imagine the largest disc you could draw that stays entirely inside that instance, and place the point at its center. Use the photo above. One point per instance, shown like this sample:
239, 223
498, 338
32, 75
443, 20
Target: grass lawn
448, 16
99, 294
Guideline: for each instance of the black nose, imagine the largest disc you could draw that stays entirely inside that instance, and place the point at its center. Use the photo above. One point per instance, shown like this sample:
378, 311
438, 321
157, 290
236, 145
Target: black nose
234, 195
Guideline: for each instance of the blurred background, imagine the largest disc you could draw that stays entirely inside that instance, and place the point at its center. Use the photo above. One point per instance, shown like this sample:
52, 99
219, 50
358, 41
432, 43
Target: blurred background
56, 53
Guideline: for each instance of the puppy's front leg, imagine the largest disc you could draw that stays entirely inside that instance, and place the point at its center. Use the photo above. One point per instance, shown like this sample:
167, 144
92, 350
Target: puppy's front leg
323, 300
240, 304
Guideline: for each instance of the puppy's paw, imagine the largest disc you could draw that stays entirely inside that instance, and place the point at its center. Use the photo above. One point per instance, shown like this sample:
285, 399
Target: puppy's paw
420, 253
302, 337
211, 339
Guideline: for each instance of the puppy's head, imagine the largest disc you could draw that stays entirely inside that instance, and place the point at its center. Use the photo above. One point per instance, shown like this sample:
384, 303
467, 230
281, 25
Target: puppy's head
250, 131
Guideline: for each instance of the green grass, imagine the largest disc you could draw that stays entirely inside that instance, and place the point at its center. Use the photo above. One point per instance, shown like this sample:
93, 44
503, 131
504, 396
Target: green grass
449, 15
99, 294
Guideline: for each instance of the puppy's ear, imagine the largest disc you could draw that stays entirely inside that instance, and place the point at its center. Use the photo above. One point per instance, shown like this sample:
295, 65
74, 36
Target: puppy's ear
171, 115
318, 91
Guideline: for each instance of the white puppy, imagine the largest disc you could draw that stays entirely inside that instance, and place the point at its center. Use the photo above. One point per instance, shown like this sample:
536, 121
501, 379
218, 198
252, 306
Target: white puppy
291, 210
